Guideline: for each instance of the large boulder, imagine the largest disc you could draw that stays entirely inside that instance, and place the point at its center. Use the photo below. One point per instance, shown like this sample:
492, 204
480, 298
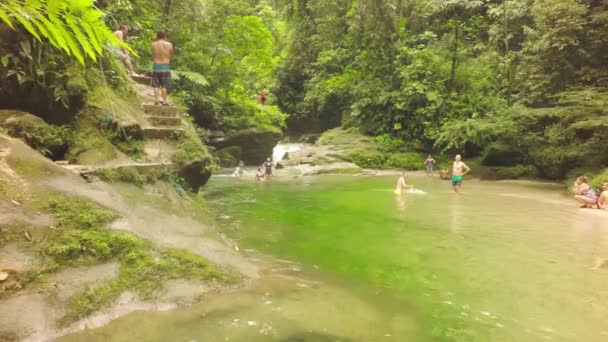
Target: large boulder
50, 140
193, 161
256, 143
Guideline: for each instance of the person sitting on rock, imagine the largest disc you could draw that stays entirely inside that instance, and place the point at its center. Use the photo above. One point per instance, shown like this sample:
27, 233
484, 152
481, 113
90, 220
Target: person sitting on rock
121, 52
584, 193
444, 173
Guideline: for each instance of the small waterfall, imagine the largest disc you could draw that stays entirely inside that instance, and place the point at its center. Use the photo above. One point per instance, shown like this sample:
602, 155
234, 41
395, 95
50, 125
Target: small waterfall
279, 151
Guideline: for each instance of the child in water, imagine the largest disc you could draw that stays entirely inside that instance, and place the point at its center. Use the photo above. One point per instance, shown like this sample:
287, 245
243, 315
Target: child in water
401, 185
260, 175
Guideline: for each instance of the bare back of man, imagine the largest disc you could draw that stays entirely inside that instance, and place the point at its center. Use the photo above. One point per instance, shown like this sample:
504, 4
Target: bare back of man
162, 52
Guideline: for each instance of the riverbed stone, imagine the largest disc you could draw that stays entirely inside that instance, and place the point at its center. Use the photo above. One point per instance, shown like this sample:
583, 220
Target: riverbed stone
256, 143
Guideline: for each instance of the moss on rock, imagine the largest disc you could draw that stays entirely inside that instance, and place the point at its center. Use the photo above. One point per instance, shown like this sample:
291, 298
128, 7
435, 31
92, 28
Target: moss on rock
193, 161
89, 143
50, 140
256, 143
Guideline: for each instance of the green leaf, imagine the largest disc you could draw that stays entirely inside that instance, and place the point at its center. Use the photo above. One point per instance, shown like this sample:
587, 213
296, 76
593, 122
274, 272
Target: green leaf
4, 61
5, 17
24, 19
82, 39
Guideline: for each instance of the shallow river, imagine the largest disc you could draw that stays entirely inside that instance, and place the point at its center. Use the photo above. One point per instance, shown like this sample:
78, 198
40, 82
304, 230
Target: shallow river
504, 261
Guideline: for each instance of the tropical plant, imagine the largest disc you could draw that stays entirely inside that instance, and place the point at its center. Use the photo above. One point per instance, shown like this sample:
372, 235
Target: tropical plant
74, 26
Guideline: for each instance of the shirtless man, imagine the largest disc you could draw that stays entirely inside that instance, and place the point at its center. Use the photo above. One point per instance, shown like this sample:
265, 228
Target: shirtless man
401, 185
459, 169
121, 52
162, 52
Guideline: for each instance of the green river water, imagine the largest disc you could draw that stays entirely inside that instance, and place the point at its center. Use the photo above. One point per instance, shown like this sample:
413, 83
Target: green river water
504, 261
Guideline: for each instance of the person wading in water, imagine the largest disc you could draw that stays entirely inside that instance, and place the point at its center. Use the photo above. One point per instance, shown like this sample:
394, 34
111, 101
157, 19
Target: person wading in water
268, 166
459, 169
429, 162
162, 52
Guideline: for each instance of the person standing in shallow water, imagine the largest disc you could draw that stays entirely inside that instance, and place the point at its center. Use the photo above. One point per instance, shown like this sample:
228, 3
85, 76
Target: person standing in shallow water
162, 52
401, 185
268, 166
459, 169
429, 162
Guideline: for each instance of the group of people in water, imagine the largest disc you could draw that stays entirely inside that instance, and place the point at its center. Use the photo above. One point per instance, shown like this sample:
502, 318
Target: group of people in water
262, 174
459, 169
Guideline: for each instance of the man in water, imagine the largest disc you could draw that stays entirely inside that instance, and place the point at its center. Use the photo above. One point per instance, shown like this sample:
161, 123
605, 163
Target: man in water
162, 52
121, 52
401, 185
459, 169
268, 166
429, 162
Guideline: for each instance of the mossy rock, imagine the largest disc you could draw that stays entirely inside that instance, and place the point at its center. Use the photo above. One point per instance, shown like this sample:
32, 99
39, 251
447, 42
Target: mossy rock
501, 154
90, 143
48, 139
256, 143
405, 161
229, 156
193, 161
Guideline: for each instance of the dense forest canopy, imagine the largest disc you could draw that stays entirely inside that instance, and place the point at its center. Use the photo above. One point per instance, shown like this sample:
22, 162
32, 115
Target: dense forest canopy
526, 77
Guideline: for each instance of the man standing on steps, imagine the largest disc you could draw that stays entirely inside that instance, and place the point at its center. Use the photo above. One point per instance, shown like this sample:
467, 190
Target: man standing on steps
121, 52
162, 52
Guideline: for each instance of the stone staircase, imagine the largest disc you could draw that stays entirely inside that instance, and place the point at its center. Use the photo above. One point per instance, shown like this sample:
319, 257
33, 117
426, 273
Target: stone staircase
165, 121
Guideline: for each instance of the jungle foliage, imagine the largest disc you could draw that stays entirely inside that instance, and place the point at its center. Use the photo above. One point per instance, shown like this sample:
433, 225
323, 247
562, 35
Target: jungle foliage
523, 76
453, 75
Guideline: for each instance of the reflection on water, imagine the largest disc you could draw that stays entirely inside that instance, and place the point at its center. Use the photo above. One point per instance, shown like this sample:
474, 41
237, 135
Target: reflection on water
502, 262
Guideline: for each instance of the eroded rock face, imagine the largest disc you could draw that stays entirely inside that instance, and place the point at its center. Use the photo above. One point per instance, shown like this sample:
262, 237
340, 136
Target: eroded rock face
194, 174
48, 139
256, 144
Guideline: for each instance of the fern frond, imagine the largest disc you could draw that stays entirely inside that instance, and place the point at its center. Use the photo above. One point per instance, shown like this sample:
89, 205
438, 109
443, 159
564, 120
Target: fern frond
191, 76
73, 26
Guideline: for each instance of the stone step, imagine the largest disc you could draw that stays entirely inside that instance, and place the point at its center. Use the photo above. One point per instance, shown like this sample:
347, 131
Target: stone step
162, 133
164, 120
145, 80
156, 110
